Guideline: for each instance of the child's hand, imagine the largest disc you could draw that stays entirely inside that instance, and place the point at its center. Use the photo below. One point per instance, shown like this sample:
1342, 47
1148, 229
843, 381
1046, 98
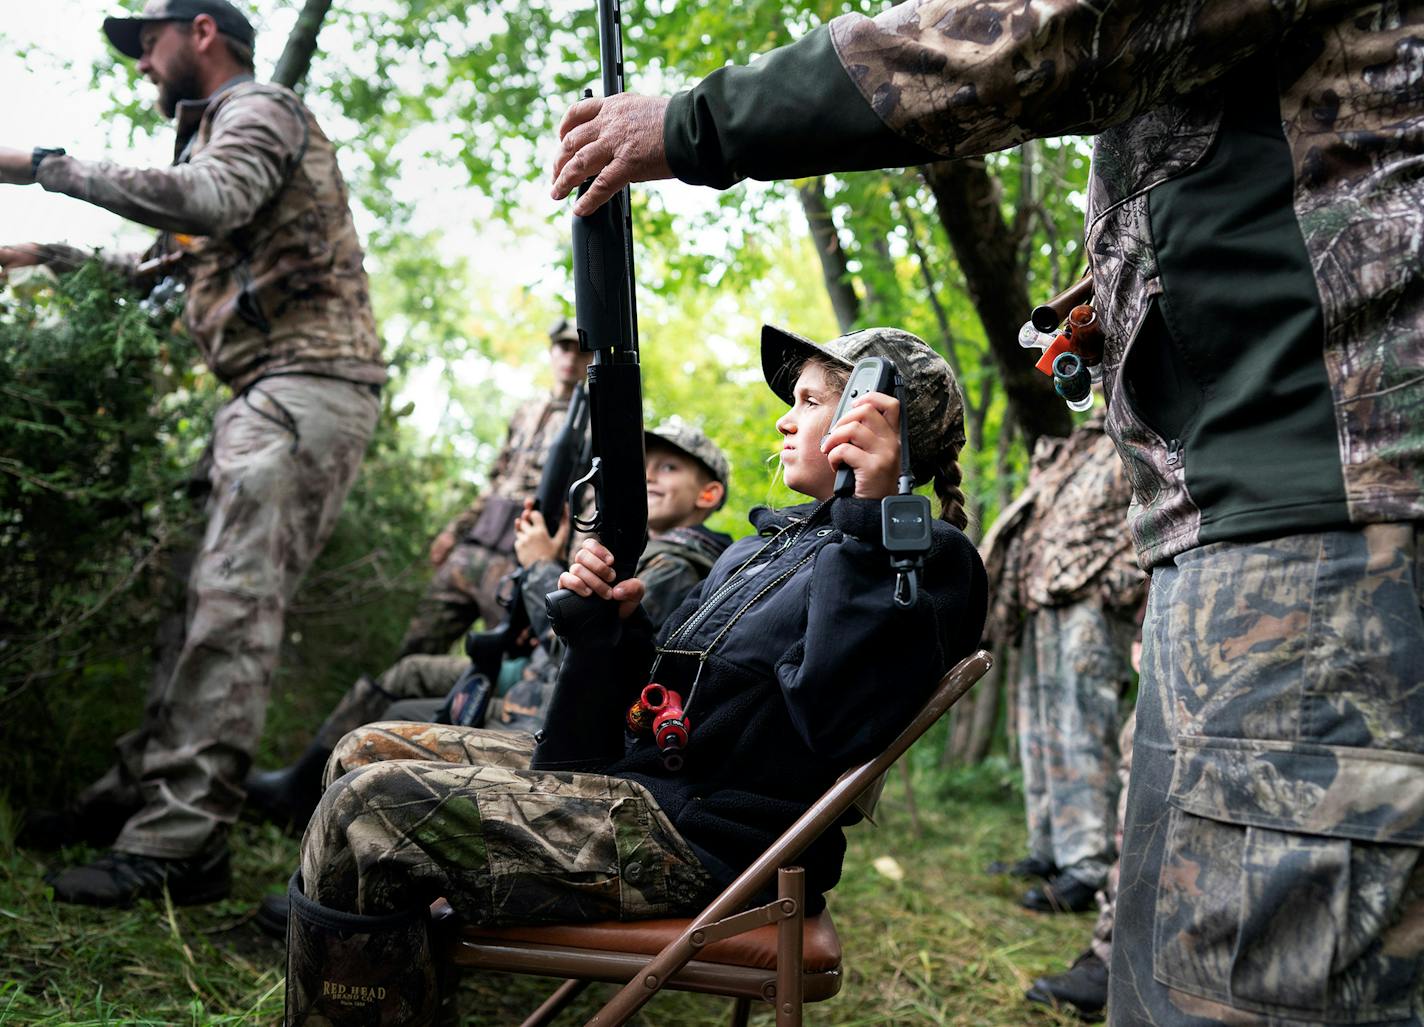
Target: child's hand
591, 574
867, 440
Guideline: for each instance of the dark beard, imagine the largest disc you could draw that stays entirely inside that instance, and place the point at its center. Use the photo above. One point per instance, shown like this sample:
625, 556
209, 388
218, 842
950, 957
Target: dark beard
181, 85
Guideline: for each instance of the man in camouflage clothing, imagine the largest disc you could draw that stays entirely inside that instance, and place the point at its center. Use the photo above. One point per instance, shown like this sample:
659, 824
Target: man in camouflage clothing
1256, 234
1067, 584
1084, 986
254, 220
687, 476
473, 553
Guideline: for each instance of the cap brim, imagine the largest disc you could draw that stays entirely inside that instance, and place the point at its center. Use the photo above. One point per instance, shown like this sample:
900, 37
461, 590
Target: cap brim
783, 353
649, 437
124, 34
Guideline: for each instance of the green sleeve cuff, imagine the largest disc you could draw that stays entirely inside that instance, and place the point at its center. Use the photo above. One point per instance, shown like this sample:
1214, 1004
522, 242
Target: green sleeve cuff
791, 114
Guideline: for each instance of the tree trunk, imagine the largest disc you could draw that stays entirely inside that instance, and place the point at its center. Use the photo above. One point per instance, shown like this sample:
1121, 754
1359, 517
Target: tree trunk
967, 199
973, 411
296, 57
844, 300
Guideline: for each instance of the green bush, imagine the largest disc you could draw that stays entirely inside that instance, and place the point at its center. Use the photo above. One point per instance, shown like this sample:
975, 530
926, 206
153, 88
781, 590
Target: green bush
104, 409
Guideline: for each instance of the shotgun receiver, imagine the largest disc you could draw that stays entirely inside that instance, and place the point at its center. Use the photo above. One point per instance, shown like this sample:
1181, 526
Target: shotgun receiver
606, 316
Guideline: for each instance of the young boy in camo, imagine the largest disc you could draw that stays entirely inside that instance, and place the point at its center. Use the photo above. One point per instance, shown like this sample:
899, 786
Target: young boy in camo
687, 476
795, 662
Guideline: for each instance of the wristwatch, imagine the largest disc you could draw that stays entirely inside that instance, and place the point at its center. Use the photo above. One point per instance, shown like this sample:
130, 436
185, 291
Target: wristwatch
38, 155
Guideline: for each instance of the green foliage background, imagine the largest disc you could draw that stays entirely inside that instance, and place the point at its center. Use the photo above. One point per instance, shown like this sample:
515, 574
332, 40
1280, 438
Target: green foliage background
104, 411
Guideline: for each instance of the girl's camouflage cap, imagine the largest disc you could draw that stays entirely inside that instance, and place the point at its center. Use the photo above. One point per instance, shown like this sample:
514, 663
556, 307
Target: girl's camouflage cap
124, 32
932, 396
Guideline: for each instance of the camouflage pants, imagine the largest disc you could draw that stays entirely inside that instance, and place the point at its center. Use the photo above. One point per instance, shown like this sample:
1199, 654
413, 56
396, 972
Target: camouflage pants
284, 455
1107, 897
1271, 867
461, 592
417, 811
413, 677
1072, 672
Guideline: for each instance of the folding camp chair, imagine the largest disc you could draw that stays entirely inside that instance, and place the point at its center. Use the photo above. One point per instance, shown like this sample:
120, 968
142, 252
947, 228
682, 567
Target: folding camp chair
773, 952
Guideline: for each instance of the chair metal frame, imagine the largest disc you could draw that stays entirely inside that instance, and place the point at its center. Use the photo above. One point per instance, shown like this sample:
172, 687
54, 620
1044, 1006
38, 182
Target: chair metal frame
787, 987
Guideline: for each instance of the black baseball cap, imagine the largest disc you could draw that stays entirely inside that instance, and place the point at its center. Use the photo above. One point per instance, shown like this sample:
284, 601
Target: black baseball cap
124, 32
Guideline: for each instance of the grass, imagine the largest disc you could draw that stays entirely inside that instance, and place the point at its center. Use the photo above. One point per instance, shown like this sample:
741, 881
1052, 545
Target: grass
944, 945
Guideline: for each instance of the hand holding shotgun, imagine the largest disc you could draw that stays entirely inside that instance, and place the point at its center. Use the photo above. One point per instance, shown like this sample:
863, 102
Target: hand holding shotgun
607, 321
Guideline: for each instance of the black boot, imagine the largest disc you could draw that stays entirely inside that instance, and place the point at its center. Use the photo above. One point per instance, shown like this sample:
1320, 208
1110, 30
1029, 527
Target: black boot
1083, 988
347, 969
122, 878
1029, 867
1062, 894
287, 796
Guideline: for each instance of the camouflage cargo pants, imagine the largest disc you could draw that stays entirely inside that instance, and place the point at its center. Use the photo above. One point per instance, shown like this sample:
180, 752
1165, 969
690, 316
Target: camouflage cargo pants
1271, 867
418, 811
1074, 666
284, 455
412, 677
1107, 897
462, 591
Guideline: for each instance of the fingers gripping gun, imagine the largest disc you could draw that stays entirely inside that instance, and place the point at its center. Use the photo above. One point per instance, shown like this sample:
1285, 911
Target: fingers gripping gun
567, 458
607, 319
1067, 330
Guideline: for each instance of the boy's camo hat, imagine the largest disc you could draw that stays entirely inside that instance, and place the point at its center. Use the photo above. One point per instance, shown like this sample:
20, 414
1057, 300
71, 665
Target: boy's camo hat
685, 438
932, 397
124, 32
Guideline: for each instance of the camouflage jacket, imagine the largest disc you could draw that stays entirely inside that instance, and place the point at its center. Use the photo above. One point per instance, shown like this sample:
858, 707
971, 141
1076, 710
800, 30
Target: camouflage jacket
672, 564
962, 77
255, 212
1062, 540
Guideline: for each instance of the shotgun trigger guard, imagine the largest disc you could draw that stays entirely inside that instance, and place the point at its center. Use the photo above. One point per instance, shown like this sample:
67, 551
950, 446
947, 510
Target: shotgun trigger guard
593, 479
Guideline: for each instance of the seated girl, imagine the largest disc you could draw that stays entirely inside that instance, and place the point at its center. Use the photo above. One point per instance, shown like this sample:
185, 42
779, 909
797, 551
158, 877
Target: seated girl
795, 661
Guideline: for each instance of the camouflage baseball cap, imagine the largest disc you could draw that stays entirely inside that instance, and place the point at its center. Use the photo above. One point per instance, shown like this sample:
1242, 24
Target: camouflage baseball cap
932, 395
563, 330
124, 32
687, 439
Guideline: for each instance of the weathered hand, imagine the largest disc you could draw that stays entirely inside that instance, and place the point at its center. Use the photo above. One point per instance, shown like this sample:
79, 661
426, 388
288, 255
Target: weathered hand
867, 440
591, 574
616, 140
15, 166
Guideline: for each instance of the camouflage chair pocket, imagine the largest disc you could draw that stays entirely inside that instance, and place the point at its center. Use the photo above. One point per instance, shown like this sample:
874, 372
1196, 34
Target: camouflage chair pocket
1291, 877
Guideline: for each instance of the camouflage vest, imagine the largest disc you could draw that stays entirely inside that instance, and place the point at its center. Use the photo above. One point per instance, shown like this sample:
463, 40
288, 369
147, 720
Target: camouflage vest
1351, 114
285, 292
964, 78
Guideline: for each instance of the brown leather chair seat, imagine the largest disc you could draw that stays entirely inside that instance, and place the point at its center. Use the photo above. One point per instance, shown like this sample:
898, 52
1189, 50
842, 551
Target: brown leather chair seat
821, 951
